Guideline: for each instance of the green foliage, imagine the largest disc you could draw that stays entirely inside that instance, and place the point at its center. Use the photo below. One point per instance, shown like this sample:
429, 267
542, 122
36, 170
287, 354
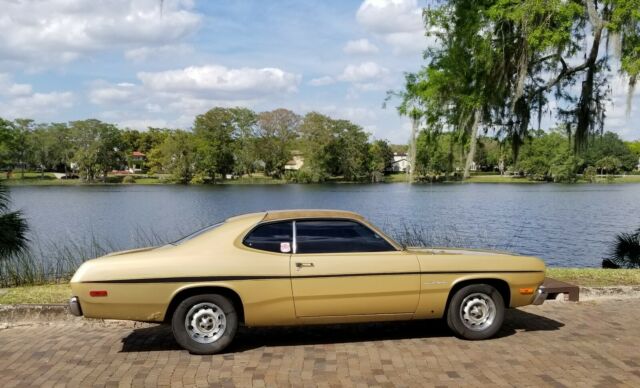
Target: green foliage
381, 158
634, 147
590, 174
564, 168
214, 139
129, 179
334, 147
515, 59
98, 148
435, 155
306, 175
277, 132
608, 164
610, 144
176, 156
13, 228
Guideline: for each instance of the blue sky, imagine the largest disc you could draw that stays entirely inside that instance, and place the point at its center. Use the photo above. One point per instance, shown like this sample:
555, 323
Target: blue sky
137, 64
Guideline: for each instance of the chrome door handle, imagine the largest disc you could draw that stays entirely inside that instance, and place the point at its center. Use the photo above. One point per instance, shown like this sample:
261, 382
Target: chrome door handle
300, 265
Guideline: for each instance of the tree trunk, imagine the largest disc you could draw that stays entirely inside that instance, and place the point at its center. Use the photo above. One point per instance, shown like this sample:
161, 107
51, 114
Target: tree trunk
412, 148
473, 141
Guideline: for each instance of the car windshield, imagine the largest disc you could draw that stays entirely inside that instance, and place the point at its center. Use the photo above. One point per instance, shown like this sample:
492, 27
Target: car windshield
196, 234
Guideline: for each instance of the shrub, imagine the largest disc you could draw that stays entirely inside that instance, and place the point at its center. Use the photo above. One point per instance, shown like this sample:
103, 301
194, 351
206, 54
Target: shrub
565, 170
305, 175
198, 179
590, 174
625, 250
129, 179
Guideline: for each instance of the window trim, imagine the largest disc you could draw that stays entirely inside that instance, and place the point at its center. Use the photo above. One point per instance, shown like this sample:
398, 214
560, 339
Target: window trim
364, 225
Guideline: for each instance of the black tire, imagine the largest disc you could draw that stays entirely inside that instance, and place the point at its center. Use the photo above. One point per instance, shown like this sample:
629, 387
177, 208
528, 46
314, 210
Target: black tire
211, 302
468, 329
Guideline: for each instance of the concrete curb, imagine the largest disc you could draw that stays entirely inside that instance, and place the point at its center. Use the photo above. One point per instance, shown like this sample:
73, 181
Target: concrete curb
60, 312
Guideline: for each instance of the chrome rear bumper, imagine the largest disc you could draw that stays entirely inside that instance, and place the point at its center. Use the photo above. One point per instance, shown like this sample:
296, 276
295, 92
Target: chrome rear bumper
74, 306
541, 296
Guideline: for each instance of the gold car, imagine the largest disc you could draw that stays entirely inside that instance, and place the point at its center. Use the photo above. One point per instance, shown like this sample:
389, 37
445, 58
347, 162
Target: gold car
298, 267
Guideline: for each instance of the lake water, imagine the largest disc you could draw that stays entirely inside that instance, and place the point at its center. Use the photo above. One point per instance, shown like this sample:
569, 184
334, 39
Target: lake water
567, 225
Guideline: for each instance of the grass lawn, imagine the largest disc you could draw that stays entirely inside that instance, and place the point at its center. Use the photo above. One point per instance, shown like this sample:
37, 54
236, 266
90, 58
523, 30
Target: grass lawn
588, 277
595, 277
497, 179
50, 293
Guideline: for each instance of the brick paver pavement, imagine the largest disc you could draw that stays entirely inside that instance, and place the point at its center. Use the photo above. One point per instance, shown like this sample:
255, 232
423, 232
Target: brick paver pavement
557, 344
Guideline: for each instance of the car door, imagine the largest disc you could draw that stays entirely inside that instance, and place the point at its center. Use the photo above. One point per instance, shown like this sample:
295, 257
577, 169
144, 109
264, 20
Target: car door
342, 267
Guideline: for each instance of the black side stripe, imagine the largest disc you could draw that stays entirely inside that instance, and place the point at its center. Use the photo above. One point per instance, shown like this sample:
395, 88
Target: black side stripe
273, 277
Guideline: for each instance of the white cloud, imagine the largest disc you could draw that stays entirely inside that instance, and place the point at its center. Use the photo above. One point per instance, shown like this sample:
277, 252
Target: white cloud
390, 16
365, 71
360, 46
60, 31
397, 22
216, 81
174, 97
103, 93
322, 81
19, 100
146, 54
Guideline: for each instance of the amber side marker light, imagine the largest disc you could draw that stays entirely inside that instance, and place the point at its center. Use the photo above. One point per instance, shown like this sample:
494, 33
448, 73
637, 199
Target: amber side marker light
526, 291
98, 293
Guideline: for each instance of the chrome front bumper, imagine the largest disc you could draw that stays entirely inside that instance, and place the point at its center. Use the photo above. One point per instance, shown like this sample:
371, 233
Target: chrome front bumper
74, 306
541, 296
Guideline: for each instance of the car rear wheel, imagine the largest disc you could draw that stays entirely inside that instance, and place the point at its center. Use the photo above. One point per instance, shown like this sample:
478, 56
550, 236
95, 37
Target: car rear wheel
476, 312
205, 324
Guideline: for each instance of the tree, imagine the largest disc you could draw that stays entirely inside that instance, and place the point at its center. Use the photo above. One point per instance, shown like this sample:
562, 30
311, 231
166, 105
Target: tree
6, 142
608, 165
43, 145
245, 140
13, 228
98, 147
20, 146
317, 133
176, 156
350, 151
277, 131
381, 158
610, 144
214, 135
502, 61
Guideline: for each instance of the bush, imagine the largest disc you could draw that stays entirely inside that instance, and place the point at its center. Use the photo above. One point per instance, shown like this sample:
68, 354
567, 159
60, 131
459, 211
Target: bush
625, 251
129, 179
305, 175
198, 179
565, 169
536, 168
590, 174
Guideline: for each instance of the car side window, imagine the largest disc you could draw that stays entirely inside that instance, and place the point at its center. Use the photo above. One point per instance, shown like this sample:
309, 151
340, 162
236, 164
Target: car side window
272, 237
337, 236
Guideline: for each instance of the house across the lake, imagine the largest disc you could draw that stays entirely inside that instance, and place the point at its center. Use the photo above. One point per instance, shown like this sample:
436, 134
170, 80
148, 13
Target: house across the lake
136, 162
296, 162
400, 162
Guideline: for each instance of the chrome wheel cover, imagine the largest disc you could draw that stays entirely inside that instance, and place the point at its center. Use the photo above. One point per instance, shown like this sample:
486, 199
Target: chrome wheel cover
205, 322
477, 311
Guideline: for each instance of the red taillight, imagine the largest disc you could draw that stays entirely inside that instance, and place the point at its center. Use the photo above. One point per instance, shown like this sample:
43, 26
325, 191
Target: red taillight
98, 293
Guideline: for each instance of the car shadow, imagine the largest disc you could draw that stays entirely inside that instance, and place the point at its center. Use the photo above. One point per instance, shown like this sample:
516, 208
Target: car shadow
160, 338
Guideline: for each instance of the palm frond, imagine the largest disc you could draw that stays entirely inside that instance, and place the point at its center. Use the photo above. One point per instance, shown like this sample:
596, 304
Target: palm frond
625, 250
13, 234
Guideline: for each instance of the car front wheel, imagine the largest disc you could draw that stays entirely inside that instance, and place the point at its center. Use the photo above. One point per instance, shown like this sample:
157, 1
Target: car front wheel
476, 312
205, 324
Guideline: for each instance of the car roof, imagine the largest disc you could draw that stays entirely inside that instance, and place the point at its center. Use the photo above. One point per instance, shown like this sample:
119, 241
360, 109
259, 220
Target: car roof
275, 215
310, 213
